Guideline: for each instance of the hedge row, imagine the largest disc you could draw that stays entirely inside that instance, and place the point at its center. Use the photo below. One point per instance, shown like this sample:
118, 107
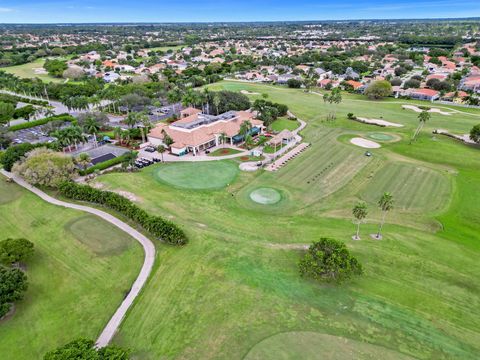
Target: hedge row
30, 124
105, 165
15, 99
160, 228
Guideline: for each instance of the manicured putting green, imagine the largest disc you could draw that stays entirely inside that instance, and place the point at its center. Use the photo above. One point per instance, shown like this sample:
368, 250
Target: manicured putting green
97, 236
265, 196
198, 175
311, 345
380, 137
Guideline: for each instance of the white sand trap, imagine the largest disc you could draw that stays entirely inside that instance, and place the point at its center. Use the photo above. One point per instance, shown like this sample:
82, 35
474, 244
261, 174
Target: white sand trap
432, 110
379, 122
367, 144
246, 92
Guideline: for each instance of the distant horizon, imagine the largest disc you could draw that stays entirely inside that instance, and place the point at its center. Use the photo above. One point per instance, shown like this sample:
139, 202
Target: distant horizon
45, 12
236, 22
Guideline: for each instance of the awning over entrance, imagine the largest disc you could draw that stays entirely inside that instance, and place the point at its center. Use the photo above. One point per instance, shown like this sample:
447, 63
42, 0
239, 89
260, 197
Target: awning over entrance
239, 137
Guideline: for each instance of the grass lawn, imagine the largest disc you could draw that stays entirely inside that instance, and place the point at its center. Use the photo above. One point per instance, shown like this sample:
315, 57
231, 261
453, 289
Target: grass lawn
28, 71
80, 272
315, 345
284, 123
197, 175
224, 151
234, 292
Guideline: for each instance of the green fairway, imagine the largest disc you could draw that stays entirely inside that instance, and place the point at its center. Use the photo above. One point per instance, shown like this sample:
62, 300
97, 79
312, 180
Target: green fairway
414, 187
81, 269
28, 71
284, 123
235, 290
198, 175
312, 346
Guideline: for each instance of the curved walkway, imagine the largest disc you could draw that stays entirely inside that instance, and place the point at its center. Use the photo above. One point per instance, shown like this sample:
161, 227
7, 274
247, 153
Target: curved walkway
148, 247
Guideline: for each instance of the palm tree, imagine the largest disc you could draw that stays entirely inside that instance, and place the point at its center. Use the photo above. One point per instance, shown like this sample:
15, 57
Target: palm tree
386, 204
245, 128
117, 132
248, 141
92, 126
174, 96
83, 160
216, 102
146, 125
423, 117
49, 112
131, 119
360, 212
161, 149
223, 138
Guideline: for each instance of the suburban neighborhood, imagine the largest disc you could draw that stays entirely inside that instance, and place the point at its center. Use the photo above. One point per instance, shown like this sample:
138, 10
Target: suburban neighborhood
239, 189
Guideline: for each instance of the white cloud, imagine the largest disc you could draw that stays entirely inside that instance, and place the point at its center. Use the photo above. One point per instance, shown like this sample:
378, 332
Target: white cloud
4, 10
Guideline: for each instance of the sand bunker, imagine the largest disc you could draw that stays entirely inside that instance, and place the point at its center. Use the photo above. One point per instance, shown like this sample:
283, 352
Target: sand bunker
432, 110
378, 122
246, 92
367, 144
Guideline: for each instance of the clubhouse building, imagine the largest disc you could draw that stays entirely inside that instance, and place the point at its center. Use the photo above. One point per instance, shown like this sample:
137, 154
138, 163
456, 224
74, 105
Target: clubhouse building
195, 132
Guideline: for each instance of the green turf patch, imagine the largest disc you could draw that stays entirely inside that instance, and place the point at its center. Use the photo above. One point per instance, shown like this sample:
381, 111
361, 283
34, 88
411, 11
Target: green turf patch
10, 192
380, 137
413, 187
203, 175
97, 236
311, 345
284, 123
265, 196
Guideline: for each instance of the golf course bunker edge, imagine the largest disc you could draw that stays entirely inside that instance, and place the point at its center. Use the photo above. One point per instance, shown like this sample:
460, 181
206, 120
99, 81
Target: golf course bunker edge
265, 196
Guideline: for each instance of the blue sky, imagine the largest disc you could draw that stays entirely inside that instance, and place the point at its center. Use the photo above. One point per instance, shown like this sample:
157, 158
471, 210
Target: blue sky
51, 11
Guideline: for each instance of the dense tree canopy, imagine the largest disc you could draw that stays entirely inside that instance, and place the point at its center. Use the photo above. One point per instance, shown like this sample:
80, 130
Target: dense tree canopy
329, 260
83, 349
475, 134
45, 167
15, 250
13, 283
378, 89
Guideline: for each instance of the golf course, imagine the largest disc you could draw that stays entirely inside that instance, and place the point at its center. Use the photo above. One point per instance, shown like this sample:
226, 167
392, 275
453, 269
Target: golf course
235, 292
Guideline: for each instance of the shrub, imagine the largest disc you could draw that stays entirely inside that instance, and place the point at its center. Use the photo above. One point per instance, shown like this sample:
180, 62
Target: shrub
85, 349
30, 124
294, 83
350, 116
378, 89
45, 167
15, 250
329, 260
13, 283
157, 226
15, 153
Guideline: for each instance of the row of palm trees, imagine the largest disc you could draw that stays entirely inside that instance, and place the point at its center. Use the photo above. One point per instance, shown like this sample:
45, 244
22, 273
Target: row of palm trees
360, 212
70, 136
